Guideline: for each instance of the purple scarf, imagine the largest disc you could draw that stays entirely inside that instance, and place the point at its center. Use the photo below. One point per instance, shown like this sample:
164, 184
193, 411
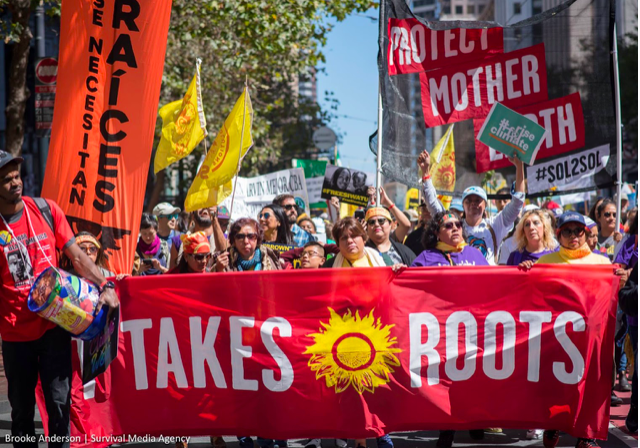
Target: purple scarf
149, 250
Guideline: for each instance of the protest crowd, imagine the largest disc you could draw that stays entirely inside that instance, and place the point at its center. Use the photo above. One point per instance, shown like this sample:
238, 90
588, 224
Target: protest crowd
92, 239
207, 241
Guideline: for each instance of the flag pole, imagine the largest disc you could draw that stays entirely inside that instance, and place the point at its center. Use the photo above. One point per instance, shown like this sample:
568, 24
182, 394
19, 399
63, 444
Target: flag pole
381, 22
616, 89
244, 116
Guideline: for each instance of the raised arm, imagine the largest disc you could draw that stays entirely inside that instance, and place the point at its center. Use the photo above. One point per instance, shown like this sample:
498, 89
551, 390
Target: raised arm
86, 268
430, 195
403, 222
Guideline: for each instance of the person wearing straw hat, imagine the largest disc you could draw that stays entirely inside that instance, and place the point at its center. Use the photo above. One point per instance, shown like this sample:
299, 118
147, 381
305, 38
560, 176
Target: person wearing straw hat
31, 230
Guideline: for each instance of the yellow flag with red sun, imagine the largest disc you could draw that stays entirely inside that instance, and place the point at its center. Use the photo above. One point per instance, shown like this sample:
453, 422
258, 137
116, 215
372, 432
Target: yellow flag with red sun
443, 166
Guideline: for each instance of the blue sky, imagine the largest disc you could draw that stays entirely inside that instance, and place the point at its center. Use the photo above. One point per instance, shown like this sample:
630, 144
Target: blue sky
351, 74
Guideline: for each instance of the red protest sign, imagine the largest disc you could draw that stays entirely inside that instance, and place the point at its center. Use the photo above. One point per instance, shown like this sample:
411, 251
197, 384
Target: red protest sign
359, 350
469, 90
415, 48
563, 121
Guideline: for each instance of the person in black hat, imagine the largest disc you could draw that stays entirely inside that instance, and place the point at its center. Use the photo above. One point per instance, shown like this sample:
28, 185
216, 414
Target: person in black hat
31, 229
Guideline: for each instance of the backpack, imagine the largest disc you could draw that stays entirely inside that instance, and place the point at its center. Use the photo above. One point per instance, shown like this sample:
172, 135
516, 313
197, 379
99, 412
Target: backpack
45, 211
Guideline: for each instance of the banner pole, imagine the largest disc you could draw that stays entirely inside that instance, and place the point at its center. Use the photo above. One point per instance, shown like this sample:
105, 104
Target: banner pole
616, 88
244, 116
379, 154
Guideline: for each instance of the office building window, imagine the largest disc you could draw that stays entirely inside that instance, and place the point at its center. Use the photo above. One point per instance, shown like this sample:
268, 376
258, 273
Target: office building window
471, 9
447, 9
459, 9
517, 8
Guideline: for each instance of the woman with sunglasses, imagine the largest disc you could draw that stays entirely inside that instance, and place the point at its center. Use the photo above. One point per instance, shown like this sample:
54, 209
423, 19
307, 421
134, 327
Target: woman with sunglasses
89, 245
196, 253
275, 225
247, 252
572, 230
378, 221
534, 238
445, 245
608, 235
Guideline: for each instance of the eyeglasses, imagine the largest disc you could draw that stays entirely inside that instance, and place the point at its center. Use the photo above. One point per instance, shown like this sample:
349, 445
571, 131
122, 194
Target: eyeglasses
310, 254
380, 221
451, 224
264, 215
200, 257
89, 249
249, 236
170, 217
568, 233
609, 214
289, 206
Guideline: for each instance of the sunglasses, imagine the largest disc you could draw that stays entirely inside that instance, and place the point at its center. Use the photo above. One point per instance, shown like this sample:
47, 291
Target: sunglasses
310, 254
200, 257
289, 206
610, 214
374, 221
568, 233
170, 217
451, 224
249, 236
89, 249
264, 215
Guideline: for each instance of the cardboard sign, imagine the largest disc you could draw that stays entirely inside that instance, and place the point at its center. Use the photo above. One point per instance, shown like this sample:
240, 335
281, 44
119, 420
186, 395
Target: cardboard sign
347, 184
512, 134
415, 48
98, 353
566, 170
469, 90
314, 175
563, 121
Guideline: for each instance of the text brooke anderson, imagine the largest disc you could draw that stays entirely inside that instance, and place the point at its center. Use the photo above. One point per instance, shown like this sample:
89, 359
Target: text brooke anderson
489, 352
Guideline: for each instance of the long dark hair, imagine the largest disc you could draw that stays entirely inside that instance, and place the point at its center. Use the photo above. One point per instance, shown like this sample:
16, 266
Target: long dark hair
239, 224
430, 235
603, 205
592, 211
336, 174
284, 235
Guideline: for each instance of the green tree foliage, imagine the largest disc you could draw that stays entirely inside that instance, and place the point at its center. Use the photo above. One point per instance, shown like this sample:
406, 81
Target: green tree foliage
271, 43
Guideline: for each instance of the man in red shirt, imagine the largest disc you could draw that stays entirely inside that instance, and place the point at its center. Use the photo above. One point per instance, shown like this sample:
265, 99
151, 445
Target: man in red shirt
30, 233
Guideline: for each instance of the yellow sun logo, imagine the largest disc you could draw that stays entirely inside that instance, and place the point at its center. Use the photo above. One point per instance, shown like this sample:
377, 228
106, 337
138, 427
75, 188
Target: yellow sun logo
353, 351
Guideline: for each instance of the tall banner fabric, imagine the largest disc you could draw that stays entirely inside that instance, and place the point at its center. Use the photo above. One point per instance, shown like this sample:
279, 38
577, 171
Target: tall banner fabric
111, 63
360, 352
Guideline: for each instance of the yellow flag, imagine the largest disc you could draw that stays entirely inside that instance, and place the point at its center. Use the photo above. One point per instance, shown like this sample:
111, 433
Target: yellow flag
443, 166
183, 126
212, 184
412, 199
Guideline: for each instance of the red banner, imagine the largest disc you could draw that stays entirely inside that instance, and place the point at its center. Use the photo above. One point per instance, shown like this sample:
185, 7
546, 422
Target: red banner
111, 62
563, 121
469, 90
354, 352
415, 48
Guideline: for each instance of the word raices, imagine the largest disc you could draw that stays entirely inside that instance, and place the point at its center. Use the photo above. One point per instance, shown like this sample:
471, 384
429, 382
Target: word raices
535, 319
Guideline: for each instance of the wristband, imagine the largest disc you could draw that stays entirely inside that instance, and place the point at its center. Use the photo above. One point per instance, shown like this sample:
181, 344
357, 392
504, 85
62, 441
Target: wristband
391, 207
426, 177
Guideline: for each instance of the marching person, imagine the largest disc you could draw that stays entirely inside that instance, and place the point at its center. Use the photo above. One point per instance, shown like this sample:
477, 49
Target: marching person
351, 238
392, 252
195, 254
484, 234
167, 216
288, 203
401, 227
574, 250
414, 240
32, 347
608, 235
534, 238
275, 226
153, 250
247, 252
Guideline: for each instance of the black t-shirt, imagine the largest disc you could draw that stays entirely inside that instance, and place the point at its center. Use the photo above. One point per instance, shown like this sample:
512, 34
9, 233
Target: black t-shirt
414, 241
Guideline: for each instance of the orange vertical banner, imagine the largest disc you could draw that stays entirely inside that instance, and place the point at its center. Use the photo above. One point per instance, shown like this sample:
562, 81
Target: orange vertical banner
110, 71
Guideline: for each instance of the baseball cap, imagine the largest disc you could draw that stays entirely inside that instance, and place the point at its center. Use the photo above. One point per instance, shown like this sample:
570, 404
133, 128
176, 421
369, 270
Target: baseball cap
164, 208
6, 157
456, 204
475, 190
569, 217
529, 207
589, 222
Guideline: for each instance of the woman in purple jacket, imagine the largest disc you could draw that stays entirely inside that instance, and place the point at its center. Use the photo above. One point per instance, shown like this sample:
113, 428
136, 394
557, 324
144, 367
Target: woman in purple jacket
445, 244
534, 238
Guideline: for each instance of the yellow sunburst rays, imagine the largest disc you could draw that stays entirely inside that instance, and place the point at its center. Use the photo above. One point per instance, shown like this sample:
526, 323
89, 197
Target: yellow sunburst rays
353, 351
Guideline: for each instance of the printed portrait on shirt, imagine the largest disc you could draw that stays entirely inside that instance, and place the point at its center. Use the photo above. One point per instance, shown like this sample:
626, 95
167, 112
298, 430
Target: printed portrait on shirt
478, 243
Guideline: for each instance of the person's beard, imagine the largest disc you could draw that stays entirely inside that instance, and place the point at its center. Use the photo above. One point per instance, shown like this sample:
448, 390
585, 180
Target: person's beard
202, 222
292, 219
